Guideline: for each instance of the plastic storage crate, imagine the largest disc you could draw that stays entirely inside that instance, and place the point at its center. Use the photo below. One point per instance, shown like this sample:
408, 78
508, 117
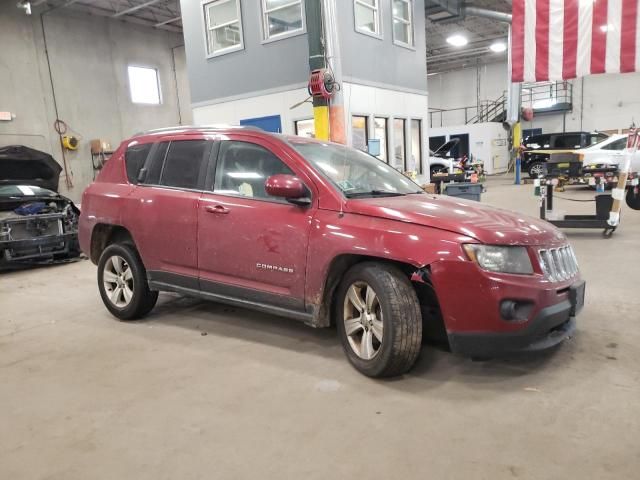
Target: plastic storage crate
468, 191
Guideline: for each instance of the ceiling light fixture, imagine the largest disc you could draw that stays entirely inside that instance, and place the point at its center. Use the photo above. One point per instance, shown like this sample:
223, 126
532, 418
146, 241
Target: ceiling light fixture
498, 47
25, 5
457, 40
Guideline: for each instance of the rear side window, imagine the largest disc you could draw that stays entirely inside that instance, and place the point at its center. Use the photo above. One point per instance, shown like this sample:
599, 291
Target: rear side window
184, 162
157, 161
538, 141
568, 141
597, 138
617, 145
134, 159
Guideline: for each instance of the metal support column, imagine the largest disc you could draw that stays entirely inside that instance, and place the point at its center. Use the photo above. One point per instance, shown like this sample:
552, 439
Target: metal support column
313, 14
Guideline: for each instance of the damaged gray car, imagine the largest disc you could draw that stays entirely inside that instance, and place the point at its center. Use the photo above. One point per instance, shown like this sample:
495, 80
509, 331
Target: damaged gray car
37, 224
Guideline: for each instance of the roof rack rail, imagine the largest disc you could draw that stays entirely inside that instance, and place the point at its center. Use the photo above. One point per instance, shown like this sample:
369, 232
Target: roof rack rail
199, 127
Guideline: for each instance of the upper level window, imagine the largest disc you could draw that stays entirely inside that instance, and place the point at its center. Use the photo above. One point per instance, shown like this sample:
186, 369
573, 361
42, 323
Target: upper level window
223, 26
282, 18
144, 85
367, 16
403, 22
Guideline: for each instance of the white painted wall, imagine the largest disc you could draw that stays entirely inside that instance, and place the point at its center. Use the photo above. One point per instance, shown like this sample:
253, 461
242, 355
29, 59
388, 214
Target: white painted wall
607, 102
89, 58
381, 102
488, 142
460, 89
261, 105
358, 99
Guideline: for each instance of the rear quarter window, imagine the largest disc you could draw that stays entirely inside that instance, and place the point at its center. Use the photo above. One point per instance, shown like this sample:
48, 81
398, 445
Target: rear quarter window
617, 145
536, 142
134, 159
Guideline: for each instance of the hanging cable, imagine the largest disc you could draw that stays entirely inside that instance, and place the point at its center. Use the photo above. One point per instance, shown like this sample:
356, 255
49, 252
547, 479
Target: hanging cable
68, 174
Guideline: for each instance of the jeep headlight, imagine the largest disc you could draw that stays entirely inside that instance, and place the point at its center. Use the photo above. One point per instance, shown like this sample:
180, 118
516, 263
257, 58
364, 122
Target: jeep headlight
501, 259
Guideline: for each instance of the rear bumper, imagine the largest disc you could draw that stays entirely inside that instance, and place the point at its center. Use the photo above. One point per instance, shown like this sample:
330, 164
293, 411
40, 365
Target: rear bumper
551, 326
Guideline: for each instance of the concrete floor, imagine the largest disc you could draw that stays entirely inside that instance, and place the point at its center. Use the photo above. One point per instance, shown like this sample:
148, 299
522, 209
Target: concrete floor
83, 396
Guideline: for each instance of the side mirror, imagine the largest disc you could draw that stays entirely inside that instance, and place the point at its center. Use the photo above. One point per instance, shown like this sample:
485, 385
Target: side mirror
288, 187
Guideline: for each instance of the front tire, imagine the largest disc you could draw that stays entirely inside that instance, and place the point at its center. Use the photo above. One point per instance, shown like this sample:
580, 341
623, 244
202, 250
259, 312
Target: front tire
378, 319
122, 281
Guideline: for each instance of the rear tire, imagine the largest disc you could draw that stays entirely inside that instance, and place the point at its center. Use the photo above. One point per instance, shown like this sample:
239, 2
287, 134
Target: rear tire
378, 319
122, 281
536, 169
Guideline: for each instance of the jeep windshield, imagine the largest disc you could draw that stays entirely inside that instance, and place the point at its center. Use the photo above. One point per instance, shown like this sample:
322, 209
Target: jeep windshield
355, 173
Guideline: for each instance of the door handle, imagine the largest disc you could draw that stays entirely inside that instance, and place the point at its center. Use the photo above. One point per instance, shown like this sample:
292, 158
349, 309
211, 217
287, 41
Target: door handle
217, 209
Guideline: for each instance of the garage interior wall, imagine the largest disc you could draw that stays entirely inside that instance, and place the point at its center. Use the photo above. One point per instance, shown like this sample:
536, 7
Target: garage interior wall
89, 56
600, 102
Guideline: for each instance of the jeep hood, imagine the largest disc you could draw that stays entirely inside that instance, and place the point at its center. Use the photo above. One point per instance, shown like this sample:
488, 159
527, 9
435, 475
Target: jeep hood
486, 224
20, 165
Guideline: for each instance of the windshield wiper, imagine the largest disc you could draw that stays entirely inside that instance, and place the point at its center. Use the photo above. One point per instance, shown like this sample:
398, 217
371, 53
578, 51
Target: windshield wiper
375, 193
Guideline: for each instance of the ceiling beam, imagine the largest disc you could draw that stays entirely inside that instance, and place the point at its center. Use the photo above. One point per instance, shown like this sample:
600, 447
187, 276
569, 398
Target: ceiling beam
171, 20
134, 8
490, 14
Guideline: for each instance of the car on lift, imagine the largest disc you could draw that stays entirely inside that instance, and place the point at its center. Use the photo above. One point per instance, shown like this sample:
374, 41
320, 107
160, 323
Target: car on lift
538, 148
37, 224
327, 235
440, 160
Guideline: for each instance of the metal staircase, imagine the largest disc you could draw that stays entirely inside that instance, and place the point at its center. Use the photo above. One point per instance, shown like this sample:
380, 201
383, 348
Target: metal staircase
544, 98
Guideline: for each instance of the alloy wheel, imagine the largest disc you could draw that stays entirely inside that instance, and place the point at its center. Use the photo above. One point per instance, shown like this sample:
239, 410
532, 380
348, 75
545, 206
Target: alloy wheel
363, 320
117, 279
537, 170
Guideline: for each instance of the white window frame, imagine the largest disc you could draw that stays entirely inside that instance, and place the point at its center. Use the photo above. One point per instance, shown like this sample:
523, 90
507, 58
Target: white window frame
208, 30
377, 16
157, 72
264, 21
409, 22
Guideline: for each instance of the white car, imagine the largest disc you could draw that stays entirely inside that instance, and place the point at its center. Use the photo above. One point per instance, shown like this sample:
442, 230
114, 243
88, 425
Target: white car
607, 154
439, 161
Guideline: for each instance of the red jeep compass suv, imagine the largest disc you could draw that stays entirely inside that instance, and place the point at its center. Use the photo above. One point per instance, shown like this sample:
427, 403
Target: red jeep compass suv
324, 234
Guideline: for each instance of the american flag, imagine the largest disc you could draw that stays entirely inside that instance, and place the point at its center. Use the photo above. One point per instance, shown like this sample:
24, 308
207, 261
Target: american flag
563, 39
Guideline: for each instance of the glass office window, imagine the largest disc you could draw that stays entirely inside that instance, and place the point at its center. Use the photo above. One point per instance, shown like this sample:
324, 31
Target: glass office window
416, 145
360, 132
399, 142
380, 129
305, 128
